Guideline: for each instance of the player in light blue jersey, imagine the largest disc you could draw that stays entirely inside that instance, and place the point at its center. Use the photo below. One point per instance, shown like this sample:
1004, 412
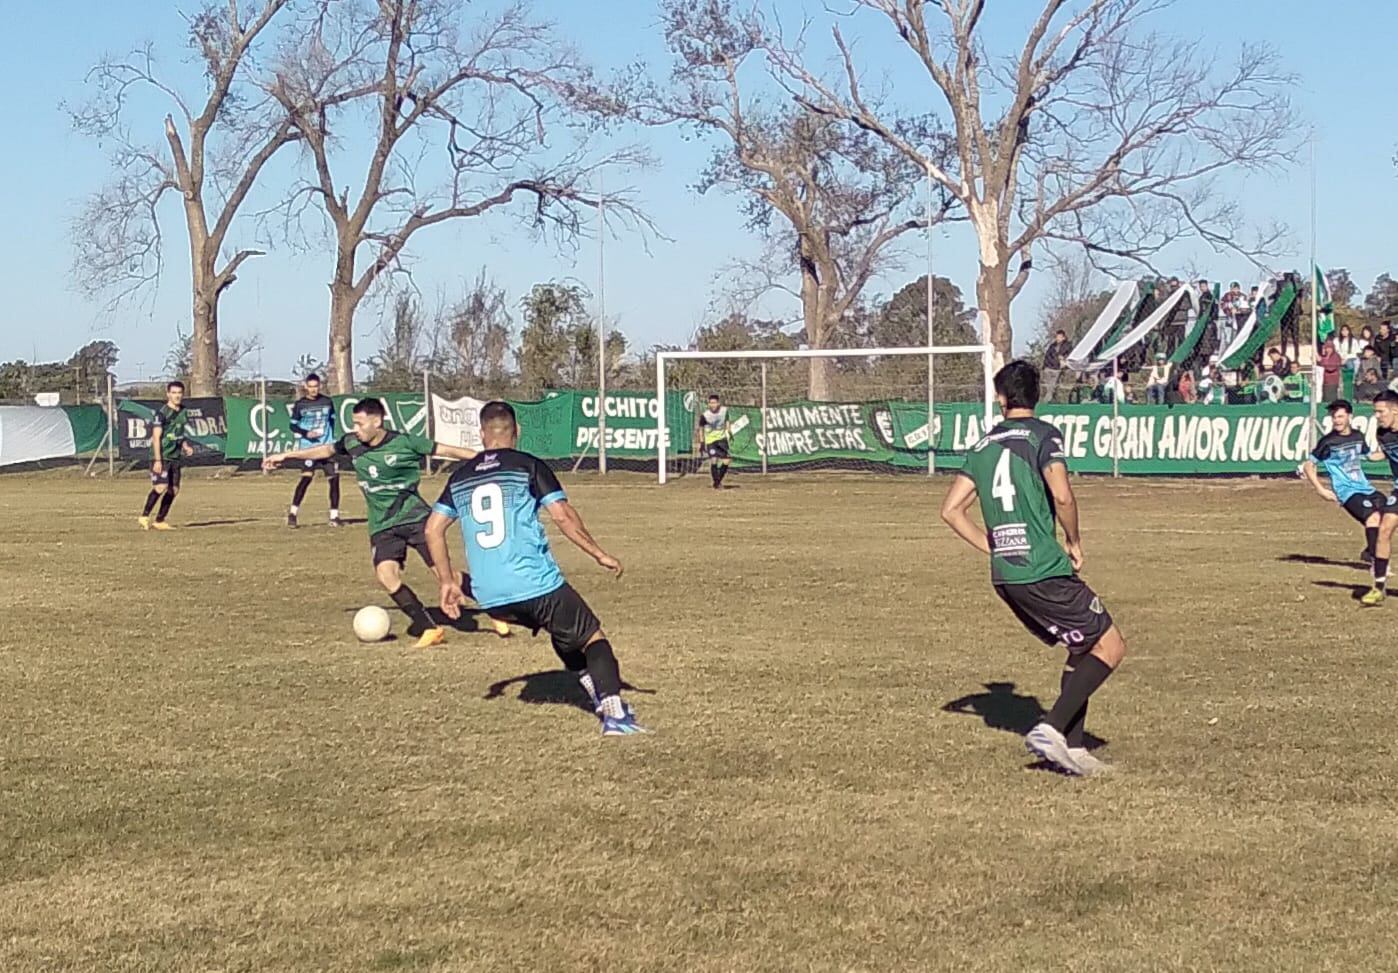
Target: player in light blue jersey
497, 497
313, 422
1341, 453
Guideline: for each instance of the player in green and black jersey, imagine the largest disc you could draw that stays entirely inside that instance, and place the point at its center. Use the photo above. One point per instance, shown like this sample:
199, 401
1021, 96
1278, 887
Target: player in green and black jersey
386, 465
169, 447
1020, 475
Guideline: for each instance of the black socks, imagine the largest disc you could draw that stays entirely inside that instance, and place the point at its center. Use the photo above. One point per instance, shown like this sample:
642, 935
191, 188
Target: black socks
1380, 572
602, 667
1087, 676
167, 498
302, 485
152, 499
1371, 537
418, 618
1074, 730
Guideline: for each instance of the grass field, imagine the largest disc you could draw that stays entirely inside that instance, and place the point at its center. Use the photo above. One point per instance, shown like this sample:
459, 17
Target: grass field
200, 770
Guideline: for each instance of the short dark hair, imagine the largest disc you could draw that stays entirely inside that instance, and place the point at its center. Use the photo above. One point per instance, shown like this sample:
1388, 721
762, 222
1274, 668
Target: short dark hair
1060, 331
313, 377
1339, 405
369, 407
171, 386
1235, 284
1387, 395
1018, 382
497, 412
713, 396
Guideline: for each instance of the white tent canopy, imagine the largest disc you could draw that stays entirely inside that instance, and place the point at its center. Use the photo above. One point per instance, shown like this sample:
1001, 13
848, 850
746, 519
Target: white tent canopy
29, 433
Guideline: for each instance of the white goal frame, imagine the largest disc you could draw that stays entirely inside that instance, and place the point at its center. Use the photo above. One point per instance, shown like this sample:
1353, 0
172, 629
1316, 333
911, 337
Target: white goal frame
987, 366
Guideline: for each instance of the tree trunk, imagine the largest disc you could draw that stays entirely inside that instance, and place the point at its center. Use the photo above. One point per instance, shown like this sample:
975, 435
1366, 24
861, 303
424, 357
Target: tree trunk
993, 298
341, 359
344, 301
203, 345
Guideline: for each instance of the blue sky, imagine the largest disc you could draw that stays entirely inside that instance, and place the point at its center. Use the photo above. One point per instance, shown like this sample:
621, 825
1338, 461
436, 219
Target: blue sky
659, 293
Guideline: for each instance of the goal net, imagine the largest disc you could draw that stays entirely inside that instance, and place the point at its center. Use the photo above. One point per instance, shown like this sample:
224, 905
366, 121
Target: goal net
869, 412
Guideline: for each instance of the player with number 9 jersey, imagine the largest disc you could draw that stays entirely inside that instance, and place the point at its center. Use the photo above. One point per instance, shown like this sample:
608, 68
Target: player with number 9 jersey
498, 497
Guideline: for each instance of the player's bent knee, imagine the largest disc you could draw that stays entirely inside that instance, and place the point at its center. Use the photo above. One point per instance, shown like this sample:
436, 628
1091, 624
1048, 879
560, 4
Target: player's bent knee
1111, 648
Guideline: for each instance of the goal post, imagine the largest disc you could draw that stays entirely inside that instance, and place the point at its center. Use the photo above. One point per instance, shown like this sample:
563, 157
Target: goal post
921, 394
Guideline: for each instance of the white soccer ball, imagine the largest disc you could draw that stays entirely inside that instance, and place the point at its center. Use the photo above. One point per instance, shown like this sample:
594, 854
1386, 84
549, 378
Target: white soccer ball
371, 624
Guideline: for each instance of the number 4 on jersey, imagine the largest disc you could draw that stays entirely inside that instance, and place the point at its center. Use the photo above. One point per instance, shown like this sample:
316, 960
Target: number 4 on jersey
1002, 487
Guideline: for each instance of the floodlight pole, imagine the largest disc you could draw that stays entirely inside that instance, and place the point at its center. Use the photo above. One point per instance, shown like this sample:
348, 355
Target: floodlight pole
111, 425
1315, 313
931, 341
762, 419
262, 401
1118, 389
661, 426
602, 330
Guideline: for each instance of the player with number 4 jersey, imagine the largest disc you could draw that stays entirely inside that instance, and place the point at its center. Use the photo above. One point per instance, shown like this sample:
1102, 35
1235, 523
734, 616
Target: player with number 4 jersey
1019, 474
498, 497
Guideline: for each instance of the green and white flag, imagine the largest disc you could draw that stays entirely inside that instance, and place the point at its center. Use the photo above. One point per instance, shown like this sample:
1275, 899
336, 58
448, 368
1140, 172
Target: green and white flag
1325, 308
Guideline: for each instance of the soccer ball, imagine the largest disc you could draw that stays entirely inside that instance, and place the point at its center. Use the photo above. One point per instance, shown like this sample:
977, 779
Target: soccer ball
371, 624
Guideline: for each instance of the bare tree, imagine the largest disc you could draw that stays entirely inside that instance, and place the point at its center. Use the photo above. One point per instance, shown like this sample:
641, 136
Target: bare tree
477, 330
212, 155
482, 102
832, 201
1093, 134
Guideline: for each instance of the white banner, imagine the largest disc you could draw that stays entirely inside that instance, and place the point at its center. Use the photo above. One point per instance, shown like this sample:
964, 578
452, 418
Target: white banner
28, 433
457, 422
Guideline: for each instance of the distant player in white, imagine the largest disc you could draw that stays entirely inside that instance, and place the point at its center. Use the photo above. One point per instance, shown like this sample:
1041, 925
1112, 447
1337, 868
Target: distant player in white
713, 430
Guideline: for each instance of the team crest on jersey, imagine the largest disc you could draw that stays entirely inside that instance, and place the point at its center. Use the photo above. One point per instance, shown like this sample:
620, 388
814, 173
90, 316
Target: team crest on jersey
391, 459
1096, 606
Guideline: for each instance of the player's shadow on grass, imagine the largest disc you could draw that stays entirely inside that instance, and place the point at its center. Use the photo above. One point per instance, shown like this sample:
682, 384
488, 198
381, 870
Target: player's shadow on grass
1315, 559
1356, 591
221, 523
553, 686
1001, 708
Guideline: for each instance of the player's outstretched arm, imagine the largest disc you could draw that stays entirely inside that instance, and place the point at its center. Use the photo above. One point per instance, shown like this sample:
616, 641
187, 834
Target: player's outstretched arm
1309, 472
311, 452
956, 513
1065, 505
443, 451
448, 581
571, 523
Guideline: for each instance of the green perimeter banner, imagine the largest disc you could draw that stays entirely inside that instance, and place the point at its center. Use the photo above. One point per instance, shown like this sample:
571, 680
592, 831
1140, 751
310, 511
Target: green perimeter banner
249, 418
1178, 440
631, 423
561, 425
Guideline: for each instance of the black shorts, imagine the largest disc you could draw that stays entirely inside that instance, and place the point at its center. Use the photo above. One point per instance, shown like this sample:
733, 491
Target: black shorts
1362, 506
1060, 611
392, 543
327, 466
718, 450
169, 475
562, 613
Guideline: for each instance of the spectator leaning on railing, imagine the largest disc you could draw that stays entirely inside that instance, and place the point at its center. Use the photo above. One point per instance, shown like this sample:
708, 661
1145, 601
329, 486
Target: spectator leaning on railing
1055, 357
1384, 347
1158, 381
1370, 385
1330, 364
1349, 347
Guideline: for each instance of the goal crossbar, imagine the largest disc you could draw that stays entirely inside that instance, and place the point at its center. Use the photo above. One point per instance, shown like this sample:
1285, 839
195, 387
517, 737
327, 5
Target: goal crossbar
662, 358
